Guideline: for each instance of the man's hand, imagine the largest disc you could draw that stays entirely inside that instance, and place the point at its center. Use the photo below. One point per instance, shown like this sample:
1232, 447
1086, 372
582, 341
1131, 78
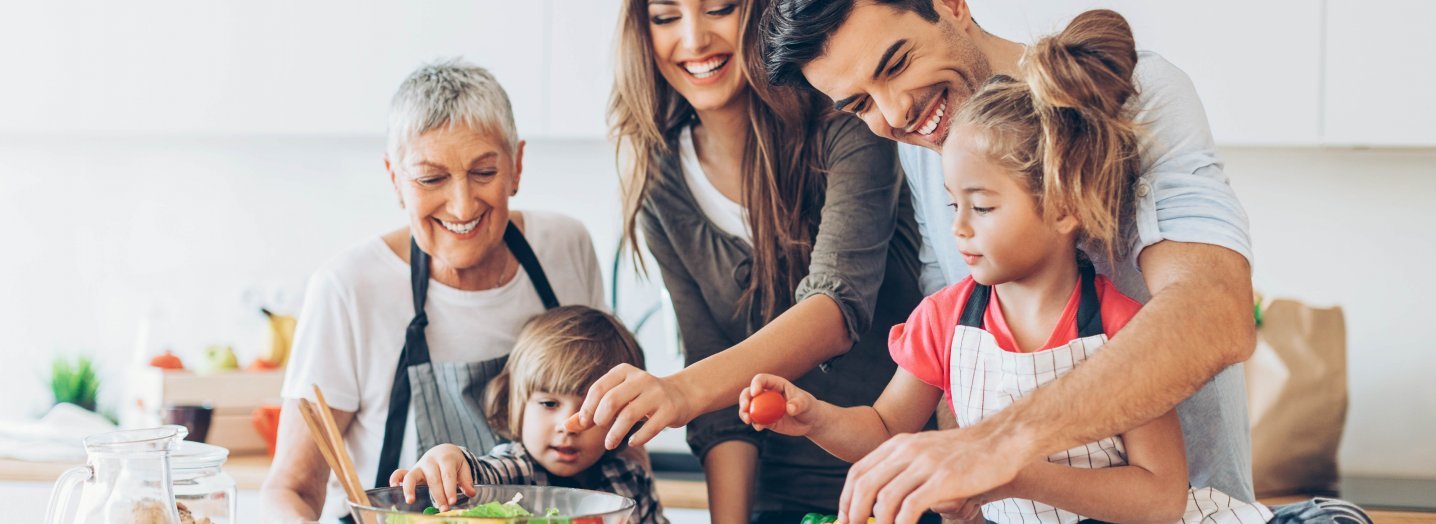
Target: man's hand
915, 472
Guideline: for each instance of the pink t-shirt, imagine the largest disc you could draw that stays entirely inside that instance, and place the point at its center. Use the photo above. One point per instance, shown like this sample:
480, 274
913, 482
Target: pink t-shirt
923, 345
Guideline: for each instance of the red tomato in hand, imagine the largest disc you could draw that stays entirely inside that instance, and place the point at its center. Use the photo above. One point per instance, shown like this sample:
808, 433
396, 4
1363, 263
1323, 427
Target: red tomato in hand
768, 407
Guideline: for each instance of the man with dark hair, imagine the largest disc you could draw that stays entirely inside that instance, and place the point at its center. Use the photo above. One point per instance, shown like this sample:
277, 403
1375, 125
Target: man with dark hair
903, 66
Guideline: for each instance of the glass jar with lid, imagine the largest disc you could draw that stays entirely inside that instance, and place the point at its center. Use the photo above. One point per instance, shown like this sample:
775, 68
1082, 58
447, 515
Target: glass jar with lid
204, 493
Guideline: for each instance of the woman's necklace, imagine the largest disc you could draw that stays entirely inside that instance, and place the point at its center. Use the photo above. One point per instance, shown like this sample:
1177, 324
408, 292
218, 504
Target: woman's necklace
503, 270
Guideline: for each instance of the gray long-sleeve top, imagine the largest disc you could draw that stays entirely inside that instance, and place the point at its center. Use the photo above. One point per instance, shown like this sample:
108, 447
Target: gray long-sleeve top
864, 257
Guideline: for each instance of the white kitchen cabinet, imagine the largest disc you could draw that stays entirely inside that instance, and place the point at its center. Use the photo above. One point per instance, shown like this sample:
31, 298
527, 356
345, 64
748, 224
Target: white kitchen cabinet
1381, 66
1256, 65
257, 67
580, 67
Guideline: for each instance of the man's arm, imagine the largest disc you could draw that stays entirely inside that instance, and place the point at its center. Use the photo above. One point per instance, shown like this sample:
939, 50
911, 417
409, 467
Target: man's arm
295, 488
1197, 323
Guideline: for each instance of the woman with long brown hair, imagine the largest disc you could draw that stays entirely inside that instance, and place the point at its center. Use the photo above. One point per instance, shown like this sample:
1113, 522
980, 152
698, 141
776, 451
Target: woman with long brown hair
784, 234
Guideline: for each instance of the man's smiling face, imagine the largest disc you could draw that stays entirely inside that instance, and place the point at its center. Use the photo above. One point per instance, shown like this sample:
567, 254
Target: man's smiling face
901, 73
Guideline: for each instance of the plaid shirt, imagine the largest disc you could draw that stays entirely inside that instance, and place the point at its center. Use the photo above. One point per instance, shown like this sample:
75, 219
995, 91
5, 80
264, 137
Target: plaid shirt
511, 464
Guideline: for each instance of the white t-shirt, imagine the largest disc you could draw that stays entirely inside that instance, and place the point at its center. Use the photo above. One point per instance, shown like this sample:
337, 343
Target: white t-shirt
358, 305
728, 215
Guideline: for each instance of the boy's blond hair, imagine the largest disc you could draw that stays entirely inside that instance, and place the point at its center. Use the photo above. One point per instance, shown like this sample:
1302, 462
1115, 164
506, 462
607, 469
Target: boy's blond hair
562, 351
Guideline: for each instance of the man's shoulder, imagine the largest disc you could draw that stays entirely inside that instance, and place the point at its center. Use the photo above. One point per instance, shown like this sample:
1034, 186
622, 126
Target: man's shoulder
1165, 94
1176, 137
1155, 75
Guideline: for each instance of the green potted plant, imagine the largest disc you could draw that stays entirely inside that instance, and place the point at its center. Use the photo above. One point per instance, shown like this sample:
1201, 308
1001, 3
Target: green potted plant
74, 382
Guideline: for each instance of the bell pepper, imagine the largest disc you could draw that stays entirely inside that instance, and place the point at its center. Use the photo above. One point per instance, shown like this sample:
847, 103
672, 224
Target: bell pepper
819, 518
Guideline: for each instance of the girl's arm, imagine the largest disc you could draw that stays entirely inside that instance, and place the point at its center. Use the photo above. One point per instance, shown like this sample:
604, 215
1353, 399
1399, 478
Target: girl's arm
1152, 487
848, 433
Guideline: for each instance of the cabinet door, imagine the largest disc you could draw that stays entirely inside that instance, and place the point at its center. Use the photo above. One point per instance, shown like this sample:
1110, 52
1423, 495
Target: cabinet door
580, 67
1381, 66
1256, 65
261, 66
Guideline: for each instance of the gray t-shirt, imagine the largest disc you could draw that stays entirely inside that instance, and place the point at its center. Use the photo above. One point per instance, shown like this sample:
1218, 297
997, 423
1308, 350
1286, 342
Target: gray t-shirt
864, 257
1182, 195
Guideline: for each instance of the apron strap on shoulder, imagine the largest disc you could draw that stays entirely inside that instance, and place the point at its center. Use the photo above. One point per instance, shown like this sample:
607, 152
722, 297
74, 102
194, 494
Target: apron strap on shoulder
1089, 308
525, 255
976, 306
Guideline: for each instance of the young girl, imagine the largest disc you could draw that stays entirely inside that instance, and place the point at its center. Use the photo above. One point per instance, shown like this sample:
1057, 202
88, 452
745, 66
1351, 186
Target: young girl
558, 355
1039, 172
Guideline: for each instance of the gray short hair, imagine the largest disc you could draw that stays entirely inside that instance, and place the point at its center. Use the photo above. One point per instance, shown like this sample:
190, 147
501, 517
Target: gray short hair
449, 93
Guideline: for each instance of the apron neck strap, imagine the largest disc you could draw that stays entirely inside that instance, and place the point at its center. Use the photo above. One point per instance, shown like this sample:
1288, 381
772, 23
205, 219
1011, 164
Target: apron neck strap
1089, 309
416, 347
976, 306
418, 275
525, 255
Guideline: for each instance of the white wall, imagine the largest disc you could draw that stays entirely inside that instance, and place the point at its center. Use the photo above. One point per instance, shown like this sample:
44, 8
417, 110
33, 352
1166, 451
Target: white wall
1356, 228
199, 203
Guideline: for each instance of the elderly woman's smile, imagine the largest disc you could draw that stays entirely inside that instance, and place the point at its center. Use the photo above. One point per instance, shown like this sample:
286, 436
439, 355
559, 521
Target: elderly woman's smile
462, 229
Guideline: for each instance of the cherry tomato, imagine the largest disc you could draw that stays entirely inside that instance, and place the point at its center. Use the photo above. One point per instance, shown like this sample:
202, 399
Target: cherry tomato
768, 407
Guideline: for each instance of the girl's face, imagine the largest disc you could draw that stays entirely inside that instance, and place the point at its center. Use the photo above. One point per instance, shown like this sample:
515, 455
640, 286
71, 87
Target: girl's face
558, 450
696, 45
999, 228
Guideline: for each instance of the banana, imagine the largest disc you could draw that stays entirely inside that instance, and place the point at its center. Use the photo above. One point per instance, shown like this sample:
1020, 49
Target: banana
281, 337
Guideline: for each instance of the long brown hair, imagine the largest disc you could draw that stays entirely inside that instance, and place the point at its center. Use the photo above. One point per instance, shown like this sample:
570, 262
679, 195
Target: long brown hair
782, 184
562, 351
1066, 128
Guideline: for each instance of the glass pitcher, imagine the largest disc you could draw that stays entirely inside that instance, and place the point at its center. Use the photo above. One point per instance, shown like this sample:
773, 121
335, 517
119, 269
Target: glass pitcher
126, 479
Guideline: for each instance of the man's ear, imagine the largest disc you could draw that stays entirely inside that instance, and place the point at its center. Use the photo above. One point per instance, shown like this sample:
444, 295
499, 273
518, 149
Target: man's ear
958, 9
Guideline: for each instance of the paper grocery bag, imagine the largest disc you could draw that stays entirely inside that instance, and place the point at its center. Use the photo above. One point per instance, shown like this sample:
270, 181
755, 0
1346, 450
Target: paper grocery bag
1296, 398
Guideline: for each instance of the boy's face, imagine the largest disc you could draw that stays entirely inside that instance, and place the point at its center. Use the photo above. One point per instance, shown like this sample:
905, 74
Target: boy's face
900, 73
999, 228
561, 452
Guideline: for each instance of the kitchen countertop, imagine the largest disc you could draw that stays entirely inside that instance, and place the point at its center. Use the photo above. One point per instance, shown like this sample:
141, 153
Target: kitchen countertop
684, 491
249, 472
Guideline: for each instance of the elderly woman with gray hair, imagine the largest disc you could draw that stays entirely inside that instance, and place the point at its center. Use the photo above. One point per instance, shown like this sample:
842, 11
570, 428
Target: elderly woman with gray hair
402, 330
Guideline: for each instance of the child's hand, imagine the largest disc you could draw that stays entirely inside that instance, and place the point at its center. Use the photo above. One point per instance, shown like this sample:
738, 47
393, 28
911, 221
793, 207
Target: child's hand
444, 469
799, 411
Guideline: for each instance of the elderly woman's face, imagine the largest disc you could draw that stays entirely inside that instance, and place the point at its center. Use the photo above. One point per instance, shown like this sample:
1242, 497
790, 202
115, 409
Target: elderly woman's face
455, 184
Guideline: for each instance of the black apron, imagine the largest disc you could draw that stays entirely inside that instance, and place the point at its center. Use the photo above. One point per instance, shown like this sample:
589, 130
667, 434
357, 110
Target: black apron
447, 396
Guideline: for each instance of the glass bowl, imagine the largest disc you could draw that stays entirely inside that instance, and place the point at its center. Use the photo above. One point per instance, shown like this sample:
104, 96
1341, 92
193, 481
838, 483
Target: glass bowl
575, 506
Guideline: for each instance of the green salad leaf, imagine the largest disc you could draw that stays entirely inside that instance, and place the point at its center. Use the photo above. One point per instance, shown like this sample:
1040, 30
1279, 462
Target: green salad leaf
497, 509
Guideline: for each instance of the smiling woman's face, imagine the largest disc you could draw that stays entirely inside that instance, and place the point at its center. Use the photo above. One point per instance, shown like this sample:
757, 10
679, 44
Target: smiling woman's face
695, 43
455, 184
